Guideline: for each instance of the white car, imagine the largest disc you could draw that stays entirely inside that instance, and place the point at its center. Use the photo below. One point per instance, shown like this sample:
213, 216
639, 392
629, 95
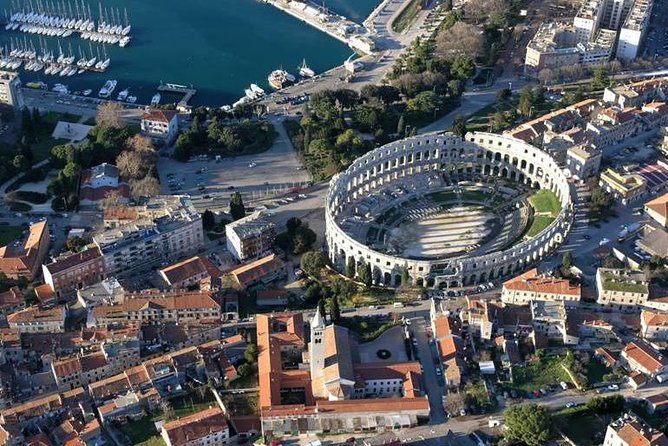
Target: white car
604, 241
613, 387
439, 372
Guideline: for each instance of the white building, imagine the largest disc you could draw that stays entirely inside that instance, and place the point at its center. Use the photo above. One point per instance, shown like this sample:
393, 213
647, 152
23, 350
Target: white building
634, 29
206, 428
631, 431
160, 125
250, 237
623, 290
10, 89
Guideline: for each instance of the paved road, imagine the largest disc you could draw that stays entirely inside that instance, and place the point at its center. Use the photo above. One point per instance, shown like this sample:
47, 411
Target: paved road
435, 384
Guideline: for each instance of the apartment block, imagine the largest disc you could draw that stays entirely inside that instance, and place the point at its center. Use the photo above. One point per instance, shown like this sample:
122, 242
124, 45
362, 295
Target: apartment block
23, 257
530, 286
621, 289
74, 271
250, 237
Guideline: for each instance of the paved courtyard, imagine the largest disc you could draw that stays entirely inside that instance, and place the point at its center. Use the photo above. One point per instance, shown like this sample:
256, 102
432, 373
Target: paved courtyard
392, 340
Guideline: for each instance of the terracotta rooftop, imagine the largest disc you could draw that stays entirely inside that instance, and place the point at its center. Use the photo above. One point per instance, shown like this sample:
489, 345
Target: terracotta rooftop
11, 297
659, 205
35, 314
159, 115
254, 271
169, 301
198, 425
66, 262
531, 281
645, 355
654, 318
188, 268
635, 434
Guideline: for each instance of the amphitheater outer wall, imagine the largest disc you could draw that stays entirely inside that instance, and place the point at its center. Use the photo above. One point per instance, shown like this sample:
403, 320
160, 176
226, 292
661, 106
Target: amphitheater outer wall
484, 153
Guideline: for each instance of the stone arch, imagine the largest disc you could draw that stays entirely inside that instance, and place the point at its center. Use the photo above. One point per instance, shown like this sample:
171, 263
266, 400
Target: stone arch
483, 277
472, 279
387, 279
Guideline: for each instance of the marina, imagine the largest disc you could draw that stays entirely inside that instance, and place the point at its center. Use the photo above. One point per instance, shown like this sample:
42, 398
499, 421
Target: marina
210, 57
60, 20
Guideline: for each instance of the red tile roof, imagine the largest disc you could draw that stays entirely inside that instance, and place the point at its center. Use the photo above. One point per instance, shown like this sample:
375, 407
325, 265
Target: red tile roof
159, 115
198, 425
645, 355
531, 281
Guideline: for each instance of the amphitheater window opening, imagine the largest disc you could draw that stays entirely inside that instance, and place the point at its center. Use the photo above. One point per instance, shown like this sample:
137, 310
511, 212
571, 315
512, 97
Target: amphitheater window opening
419, 282
473, 279
497, 156
509, 270
495, 171
536, 185
486, 169
397, 279
483, 278
387, 279
489, 156
506, 159
504, 172
513, 175
491, 275
430, 282
425, 155
523, 164
514, 162
531, 168
454, 284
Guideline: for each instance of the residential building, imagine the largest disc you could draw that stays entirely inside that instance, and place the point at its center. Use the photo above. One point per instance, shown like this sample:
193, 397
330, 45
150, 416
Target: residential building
530, 286
654, 325
98, 181
261, 271
449, 346
553, 46
639, 356
10, 90
634, 29
208, 427
632, 431
74, 271
606, 357
583, 162
334, 388
168, 233
658, 209
657, 403
621, 289
624, 187
189, 273
11, 301
157, 308
22, 258
37, 320
250, 237
161, 126
637, 93
108, 291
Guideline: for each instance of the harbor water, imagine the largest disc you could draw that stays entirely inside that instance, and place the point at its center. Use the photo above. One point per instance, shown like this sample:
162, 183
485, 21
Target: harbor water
218, 47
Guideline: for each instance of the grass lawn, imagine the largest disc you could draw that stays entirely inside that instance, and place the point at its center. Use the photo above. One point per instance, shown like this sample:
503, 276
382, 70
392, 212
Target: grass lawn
368, 330
539, 223
191, 404
582, 427
545, 202
539, 374
142, 432
407, 16
9, 234
595, 371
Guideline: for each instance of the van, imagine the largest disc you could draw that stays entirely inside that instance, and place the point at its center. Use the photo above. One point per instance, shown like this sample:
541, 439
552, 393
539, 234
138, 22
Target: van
398, 305
563, 385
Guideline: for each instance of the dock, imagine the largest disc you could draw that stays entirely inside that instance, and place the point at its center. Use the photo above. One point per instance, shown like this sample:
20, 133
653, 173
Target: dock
187, 93
339, 27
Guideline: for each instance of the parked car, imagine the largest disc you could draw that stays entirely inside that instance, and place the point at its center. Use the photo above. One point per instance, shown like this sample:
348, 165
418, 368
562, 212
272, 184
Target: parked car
613, 387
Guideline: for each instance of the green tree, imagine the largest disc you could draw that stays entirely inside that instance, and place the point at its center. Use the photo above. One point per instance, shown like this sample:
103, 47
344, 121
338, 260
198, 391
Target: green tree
334, 309
250, 354
600, 79
525, 105
459, 126
237, 208
503, 95
498, 121
606, 405
20, 162
208, 219
401, 125
312, 262
362, 273
321, 307
244, 369
567, 260
425, 103
529, 423
455, 88
75, 244
351, 266
71, 170
462, 69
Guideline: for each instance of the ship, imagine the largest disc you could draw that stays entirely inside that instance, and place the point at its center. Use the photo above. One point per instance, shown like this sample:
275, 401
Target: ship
280, 79
256, 89
123, 95
305, 70
155, 100
107, 89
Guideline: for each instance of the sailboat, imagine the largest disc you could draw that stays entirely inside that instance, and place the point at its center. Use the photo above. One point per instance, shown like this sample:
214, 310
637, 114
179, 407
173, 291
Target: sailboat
305, 70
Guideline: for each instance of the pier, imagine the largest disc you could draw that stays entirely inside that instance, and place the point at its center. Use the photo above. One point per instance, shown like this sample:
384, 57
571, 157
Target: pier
341, 28
187, 93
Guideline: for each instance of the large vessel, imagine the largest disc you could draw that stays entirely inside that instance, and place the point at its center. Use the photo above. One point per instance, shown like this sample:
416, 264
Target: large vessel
279, 79
305, 70
155, 100
107, 89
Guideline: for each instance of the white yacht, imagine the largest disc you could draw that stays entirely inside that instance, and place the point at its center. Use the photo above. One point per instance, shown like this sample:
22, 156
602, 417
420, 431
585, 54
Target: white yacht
107, 89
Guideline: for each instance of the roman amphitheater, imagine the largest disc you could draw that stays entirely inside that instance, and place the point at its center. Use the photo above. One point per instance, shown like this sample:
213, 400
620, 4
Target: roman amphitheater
455, 212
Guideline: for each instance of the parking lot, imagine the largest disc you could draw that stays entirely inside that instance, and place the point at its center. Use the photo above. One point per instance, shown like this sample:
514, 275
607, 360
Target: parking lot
256, 177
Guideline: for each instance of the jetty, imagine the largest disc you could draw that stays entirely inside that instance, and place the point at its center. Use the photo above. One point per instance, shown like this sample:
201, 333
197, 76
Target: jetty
337, 26
187, 92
